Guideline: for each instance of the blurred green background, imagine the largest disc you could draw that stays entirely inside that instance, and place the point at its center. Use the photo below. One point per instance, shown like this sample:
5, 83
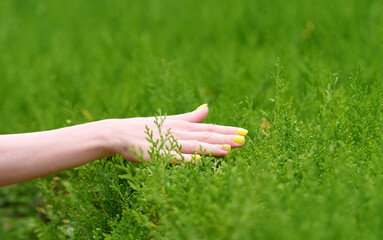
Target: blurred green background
69, 62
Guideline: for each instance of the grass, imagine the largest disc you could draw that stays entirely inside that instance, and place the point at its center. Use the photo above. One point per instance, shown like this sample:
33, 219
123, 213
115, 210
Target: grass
304, 77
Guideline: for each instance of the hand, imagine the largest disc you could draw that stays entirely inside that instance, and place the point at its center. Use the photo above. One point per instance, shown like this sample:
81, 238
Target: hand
191, 134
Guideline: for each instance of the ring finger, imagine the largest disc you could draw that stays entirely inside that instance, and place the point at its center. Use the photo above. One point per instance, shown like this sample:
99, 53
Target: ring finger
189, 146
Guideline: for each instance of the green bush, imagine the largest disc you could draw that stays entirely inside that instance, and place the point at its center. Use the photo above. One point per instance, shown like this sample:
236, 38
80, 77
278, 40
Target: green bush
311, 167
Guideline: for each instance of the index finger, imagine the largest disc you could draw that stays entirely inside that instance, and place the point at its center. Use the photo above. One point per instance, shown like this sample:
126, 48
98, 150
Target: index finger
207, 127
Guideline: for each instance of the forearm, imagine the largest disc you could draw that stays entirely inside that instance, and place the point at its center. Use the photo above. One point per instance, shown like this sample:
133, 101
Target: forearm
31, 155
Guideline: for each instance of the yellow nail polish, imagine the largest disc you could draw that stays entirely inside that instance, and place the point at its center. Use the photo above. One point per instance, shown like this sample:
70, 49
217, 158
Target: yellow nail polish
238, 139
195, 157
226, 147
242, 131
202, 106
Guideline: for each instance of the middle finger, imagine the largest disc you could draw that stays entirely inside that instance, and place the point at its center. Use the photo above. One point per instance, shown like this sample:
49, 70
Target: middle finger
211, 137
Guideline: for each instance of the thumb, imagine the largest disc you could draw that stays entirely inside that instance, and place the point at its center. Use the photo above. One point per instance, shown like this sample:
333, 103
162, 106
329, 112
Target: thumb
196, 116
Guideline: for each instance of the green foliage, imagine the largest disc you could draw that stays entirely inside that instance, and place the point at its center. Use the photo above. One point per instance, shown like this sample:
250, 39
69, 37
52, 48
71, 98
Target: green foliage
311, 167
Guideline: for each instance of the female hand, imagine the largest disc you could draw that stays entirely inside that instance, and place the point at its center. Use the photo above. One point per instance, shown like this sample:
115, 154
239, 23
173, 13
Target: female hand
187, 128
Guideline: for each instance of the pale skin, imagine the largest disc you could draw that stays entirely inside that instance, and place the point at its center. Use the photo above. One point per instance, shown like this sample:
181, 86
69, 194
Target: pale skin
28, 156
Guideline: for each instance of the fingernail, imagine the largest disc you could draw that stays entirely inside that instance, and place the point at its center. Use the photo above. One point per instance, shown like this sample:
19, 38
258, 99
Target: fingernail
227, 147
242, 131
202, 106
238, 139
195, 157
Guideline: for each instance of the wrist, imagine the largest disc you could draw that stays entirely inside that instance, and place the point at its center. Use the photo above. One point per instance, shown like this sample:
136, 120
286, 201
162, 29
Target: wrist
106, 134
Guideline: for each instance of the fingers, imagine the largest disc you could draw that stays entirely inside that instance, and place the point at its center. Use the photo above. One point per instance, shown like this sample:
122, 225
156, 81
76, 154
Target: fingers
196, 116
191, 146
203, 127
136, 154
188, 150
211, 137
186, 157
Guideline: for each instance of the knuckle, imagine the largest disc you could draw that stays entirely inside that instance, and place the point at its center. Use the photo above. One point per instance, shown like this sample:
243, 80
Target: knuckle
211, 127
187, 125
206, 135
195, 144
